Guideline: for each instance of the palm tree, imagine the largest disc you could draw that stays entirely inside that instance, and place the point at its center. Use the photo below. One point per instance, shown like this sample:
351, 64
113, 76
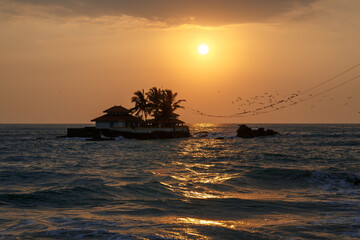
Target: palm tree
142, 107
155, 97
169, 104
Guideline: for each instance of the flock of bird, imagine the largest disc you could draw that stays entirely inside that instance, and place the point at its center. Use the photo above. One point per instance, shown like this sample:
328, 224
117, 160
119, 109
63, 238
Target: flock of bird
274, 101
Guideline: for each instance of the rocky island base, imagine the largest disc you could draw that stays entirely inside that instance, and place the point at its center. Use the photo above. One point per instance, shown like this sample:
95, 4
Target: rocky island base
246, 132
95, 134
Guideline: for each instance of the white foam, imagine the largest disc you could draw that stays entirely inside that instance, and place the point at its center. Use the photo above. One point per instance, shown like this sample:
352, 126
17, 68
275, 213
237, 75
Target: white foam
79, 138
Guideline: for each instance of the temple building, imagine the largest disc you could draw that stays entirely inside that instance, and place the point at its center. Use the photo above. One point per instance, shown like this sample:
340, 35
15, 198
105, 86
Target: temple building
171, 122
118, 121
117, 117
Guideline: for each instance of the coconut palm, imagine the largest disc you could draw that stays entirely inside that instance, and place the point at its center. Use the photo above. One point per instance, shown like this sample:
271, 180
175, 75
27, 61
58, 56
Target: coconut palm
169, 104
155, 97
142, 108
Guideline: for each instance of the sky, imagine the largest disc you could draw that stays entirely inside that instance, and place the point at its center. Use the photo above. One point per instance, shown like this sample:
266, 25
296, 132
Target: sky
268, 61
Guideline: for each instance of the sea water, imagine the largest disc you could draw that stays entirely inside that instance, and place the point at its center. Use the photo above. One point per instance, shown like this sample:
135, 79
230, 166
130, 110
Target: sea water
302, 184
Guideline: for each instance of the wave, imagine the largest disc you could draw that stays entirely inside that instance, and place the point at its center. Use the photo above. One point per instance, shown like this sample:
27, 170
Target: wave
59, 198
343, 143
287, 178
17, 177
328, 135
213, 135
76, 234
149, 190
338, 179
154, 231
88, 194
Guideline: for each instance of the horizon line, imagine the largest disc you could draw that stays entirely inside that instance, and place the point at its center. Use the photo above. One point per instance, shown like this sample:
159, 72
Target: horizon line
194, 123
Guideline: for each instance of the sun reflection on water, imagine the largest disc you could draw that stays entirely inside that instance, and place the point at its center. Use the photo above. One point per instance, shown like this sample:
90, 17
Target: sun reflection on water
197, 177
195, 221
199, 195
197, 173
247, 225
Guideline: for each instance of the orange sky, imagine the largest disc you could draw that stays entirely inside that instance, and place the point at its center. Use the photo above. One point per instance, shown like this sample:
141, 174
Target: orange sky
67, 61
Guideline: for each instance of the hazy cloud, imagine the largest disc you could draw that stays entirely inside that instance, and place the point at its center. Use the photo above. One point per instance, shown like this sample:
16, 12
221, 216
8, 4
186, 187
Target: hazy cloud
201, 12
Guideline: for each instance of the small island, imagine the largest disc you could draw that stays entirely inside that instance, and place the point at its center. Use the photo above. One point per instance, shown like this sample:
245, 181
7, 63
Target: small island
246, 132
118, 121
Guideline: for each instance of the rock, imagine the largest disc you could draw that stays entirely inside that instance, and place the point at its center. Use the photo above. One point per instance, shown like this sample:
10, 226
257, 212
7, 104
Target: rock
246, 132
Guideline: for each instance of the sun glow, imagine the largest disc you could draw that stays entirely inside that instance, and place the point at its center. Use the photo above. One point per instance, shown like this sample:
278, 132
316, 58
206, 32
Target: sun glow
203, 49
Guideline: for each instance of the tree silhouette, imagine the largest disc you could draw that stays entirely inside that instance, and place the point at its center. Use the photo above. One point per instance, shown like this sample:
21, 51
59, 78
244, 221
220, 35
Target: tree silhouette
158, 102
169, 104
142, 107
155, 97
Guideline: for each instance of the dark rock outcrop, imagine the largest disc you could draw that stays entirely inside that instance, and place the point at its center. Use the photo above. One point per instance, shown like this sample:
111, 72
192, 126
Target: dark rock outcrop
246, 132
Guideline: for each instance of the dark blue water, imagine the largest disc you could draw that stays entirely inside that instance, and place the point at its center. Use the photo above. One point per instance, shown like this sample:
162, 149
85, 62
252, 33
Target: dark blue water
304, 184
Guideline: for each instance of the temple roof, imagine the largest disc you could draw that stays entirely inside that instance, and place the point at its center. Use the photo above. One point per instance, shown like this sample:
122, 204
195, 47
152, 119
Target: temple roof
117, 110
116, 118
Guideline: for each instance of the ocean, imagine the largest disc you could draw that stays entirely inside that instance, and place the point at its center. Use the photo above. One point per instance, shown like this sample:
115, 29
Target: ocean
302, 184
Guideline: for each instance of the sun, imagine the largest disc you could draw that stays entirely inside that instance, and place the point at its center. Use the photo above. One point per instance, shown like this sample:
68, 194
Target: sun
203, 49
